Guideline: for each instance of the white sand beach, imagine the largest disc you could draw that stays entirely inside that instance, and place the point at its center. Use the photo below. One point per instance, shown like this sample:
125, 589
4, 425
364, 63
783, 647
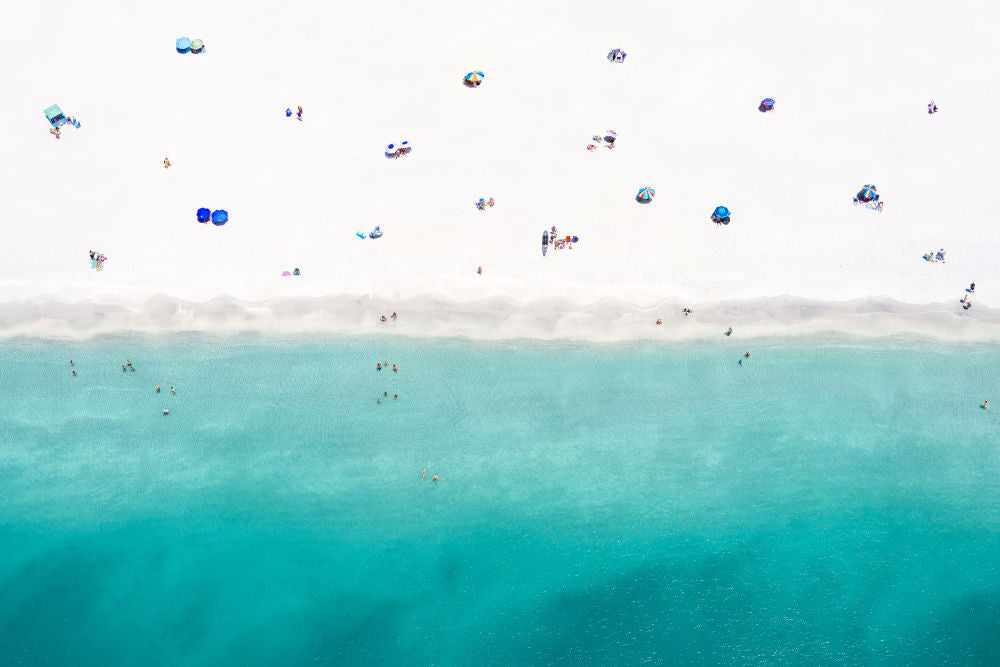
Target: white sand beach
851, 81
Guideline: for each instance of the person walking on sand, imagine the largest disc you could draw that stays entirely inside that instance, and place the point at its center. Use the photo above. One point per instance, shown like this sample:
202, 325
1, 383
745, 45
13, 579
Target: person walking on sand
299, 113
479, 270
166, 163
394, 316
972, 288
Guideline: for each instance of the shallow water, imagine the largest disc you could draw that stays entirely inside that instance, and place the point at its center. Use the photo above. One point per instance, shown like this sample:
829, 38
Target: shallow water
610, 505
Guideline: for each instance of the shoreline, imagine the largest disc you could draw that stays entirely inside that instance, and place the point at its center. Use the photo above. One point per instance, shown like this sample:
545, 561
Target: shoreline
496, 318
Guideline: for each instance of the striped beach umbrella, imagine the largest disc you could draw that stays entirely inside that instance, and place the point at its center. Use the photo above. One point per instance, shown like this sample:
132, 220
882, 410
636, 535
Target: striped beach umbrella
766, 104
868, 192
646, 195
474, 78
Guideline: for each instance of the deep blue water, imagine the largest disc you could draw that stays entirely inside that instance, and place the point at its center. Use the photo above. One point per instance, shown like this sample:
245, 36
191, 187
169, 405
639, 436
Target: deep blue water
823, 502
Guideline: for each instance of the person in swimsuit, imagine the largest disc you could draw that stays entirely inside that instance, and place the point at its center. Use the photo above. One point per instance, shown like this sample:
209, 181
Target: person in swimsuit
157, 389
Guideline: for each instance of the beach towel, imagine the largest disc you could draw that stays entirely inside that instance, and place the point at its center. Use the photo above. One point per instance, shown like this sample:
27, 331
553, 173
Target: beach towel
360, 235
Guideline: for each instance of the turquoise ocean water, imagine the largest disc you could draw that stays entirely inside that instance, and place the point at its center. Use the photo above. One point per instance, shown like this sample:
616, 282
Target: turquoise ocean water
823, 502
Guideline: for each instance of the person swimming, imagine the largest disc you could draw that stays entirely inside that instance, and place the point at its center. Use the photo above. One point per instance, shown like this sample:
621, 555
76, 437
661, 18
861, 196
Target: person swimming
730, 332
74, 373
748, 354
173, 391
394, 369
986, 404
157, 389
378, 367
435, 478
70, 362
423, 475
165, 411
395, 396
124, 370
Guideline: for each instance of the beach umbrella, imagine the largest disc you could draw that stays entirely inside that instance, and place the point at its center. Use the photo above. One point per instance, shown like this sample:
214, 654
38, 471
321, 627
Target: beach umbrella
767, 104
646, 195
204, 215
183, 45
406, 147
474, 78
196, 45
868, 192
391, 148
721, 212
220, 217
286, 273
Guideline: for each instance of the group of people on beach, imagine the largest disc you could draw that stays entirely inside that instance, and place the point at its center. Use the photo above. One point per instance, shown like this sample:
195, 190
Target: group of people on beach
383, 319
607, 140
966, 304
935, 257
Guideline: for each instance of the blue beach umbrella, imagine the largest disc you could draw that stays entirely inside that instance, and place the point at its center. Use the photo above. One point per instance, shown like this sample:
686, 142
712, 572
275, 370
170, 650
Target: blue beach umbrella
204, 215
646, 195
766, 104
219, 217
720, 212
183, 45
868, 192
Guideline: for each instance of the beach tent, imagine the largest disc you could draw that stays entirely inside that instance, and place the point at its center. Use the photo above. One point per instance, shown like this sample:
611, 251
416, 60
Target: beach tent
766, 104
473, 79
55, 115
868, 193
183, 45
720, 214
197, 46
219, 217
204, 215
617, 56
646, 195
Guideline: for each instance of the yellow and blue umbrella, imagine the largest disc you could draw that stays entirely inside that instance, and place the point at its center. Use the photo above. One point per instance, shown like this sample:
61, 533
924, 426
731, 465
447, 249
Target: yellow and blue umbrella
646, 194
474, 78
868, 193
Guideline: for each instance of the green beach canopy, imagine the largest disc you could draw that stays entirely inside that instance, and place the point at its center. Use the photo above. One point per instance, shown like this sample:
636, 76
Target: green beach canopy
53, 112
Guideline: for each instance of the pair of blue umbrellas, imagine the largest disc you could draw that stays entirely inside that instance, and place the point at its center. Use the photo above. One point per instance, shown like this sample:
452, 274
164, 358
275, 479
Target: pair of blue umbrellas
218, 217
